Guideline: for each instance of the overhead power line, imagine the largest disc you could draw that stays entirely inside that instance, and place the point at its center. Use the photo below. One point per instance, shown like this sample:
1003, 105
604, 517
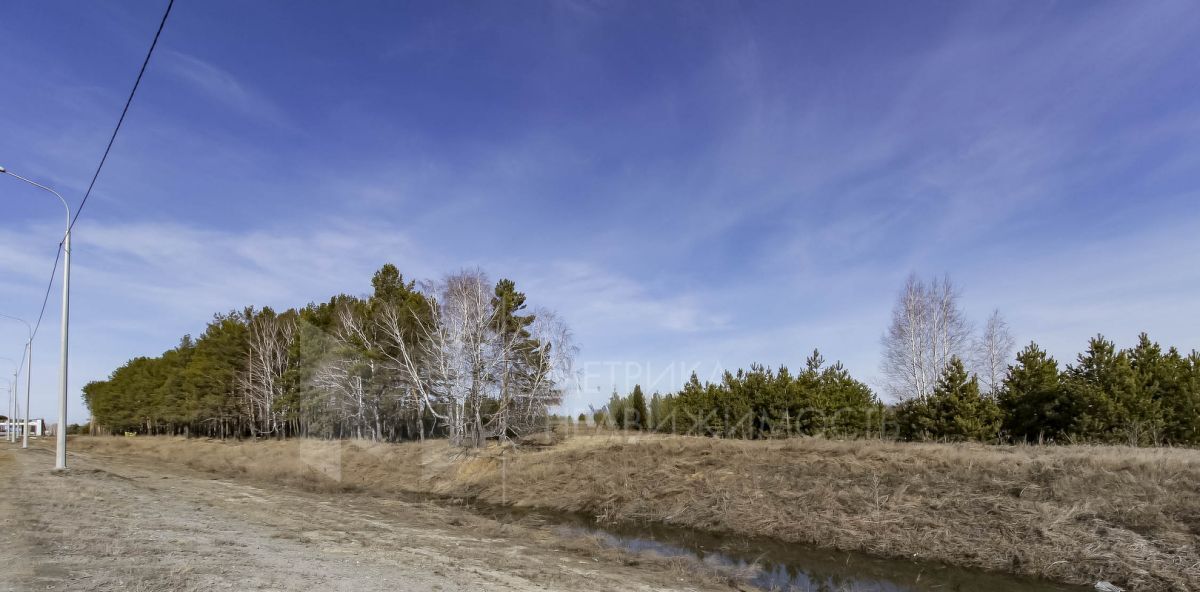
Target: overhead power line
58, 253
124, 111
49, 285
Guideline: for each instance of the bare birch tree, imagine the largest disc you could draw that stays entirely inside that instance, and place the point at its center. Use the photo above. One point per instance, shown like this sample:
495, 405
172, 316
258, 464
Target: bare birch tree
347, 396
415, 353
928, 330
472, 355
454, 355
341, 375
270, 339
541, 366
992, 351
950, 334
364, 374
455, 360
905, 363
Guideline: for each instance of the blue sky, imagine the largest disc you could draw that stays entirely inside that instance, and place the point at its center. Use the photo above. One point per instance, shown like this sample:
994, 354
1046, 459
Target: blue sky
691, 185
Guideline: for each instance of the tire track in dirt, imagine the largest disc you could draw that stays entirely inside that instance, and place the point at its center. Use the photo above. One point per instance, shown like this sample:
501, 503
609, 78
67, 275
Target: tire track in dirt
124, 524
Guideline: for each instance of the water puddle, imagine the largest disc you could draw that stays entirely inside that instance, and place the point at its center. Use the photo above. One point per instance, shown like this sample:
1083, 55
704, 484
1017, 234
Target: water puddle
786, 567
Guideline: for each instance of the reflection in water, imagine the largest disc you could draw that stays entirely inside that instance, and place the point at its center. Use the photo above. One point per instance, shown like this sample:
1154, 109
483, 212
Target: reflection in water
775, 565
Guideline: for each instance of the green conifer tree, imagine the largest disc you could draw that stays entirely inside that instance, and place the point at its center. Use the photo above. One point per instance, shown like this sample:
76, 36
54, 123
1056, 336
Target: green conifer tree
639, 413
955, 411
1035, 404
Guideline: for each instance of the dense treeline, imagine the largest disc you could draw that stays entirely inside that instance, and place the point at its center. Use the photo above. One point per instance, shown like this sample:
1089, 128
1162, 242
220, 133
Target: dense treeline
460, 358
957, 384
757, 403
463, 358
1139, 396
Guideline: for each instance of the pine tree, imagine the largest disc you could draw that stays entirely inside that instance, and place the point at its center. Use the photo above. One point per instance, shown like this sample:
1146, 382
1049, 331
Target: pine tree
639, 413
1036, 406
971, 415
388, 283
661, 412
760, 389
693, 409
1180, 398
512, 328
1156, 380
617, 411
1111, 406
734, 412
955, 410
845, 404
175, 412
1182, 412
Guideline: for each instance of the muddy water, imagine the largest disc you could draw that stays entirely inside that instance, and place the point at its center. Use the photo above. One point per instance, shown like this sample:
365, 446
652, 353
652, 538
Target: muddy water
774, 565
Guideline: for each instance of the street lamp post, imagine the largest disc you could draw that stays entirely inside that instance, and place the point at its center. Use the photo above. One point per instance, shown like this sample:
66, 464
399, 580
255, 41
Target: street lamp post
16, 403
60, 453
28, 377
10, 425
8, 415
28, 387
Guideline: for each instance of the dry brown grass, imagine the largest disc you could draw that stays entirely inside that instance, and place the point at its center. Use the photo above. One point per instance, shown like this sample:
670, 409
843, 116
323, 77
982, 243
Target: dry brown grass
1075, 514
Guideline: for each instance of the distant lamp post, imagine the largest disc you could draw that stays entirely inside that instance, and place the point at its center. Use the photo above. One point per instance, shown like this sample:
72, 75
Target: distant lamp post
9, 423
28, 377
60, 453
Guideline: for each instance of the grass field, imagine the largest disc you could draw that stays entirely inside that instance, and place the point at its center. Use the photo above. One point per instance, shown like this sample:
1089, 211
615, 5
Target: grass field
1076, 514
131, 523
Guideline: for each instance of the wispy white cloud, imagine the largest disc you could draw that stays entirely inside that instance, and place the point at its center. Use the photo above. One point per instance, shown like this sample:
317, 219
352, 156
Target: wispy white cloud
197, 271
141, 285
597, 299
223, 87
138, 286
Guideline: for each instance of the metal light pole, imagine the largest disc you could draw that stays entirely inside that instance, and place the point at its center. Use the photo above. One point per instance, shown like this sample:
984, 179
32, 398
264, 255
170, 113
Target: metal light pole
60, 453
28, 377
9, 424
28, 386
7, 418
16, 402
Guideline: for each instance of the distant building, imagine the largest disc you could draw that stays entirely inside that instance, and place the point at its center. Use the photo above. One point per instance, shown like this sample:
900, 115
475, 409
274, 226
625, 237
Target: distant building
37, 427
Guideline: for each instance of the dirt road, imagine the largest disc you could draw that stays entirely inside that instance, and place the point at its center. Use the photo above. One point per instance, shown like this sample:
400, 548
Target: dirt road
123, 524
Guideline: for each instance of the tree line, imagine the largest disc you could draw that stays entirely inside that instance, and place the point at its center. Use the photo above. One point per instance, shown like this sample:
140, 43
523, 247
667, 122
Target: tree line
464, 358
756, 403
460, 358
949, 384
955, 384
1141, 396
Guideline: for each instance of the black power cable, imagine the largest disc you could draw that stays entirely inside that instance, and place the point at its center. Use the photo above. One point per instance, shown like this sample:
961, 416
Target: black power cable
96, 175
46, 298
124, 111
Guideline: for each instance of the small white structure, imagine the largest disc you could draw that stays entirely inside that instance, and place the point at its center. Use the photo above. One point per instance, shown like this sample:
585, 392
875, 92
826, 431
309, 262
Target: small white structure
36, 427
